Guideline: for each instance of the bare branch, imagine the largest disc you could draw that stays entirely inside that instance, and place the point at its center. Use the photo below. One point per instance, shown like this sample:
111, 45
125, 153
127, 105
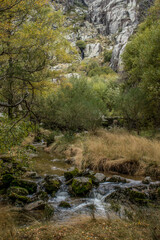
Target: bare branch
2, 104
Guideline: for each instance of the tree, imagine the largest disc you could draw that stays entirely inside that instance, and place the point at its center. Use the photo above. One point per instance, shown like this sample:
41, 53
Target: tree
31, 42
132, 106
142, 61
74, 106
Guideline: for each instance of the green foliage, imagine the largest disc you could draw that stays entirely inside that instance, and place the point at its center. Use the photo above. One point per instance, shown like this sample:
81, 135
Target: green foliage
107, 55
29, 46
12, 136
81, 44
132, 106
142, 62
98, 71
75, 106
94, 68
107, 88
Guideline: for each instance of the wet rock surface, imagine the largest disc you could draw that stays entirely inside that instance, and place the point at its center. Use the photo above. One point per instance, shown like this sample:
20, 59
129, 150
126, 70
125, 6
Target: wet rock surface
77, 192
81, 186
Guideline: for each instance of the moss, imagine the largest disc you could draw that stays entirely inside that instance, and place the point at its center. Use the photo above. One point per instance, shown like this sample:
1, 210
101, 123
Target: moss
158, 191
7, 180
18, 190
64, 204
52, 185
29, 185
31, 147
14, 197
71, 174
137, 197
81, 188
43, 196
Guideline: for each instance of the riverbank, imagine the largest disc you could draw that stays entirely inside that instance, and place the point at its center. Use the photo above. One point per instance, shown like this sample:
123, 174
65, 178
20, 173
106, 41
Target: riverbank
89, 204
144, 226
116, 151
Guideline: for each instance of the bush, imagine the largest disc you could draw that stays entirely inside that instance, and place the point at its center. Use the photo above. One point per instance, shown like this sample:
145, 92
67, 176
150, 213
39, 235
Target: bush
107, 55
13, 136
99, 71
81, 44
75, 106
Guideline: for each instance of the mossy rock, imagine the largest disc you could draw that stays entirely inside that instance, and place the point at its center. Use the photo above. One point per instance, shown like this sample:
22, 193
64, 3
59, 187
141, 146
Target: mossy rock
42, 195
18, 194
71, 173
7, 179
116, 178
64, 204
81, 186
18, 190
52, 185
137, 197
158, 191
14, 197
27, 184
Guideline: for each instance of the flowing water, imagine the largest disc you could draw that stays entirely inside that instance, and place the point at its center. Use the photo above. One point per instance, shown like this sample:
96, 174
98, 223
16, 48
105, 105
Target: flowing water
95, 204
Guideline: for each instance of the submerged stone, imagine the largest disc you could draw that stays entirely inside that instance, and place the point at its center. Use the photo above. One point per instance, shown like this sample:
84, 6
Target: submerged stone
81, 186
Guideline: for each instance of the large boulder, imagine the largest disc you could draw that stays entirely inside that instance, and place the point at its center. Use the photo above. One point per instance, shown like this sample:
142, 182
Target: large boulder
132, 195
31, 186
81, 186
71, 173
52, 184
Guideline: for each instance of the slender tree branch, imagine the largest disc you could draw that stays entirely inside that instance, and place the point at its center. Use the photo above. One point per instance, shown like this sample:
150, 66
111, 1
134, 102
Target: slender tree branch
3, 104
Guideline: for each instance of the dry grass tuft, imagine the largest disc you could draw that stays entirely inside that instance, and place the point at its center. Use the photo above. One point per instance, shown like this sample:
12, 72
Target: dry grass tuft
122, 152
7, 227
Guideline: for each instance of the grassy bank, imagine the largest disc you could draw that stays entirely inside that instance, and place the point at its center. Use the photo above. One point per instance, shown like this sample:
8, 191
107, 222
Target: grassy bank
144, 226
115, 151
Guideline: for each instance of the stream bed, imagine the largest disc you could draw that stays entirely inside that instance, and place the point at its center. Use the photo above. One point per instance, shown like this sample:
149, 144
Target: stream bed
94, 204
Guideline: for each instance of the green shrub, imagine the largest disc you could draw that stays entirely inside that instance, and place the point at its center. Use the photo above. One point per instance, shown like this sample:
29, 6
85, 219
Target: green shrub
81, 44
75, 106
107, 55
50, 139
99, 71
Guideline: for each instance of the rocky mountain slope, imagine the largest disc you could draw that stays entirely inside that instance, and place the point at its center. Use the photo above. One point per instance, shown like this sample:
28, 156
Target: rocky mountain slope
113, 20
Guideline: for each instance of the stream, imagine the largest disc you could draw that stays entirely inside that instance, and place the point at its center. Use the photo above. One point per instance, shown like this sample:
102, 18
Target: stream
46, 164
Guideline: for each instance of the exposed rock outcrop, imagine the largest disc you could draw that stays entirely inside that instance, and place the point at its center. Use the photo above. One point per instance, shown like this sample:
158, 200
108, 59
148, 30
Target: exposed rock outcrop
116, 19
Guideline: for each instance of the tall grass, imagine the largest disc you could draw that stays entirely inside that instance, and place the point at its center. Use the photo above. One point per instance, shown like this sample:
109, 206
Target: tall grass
120, 151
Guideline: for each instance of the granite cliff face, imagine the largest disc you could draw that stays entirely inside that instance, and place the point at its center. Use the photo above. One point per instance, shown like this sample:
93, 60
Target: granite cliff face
118, 19
114, 19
